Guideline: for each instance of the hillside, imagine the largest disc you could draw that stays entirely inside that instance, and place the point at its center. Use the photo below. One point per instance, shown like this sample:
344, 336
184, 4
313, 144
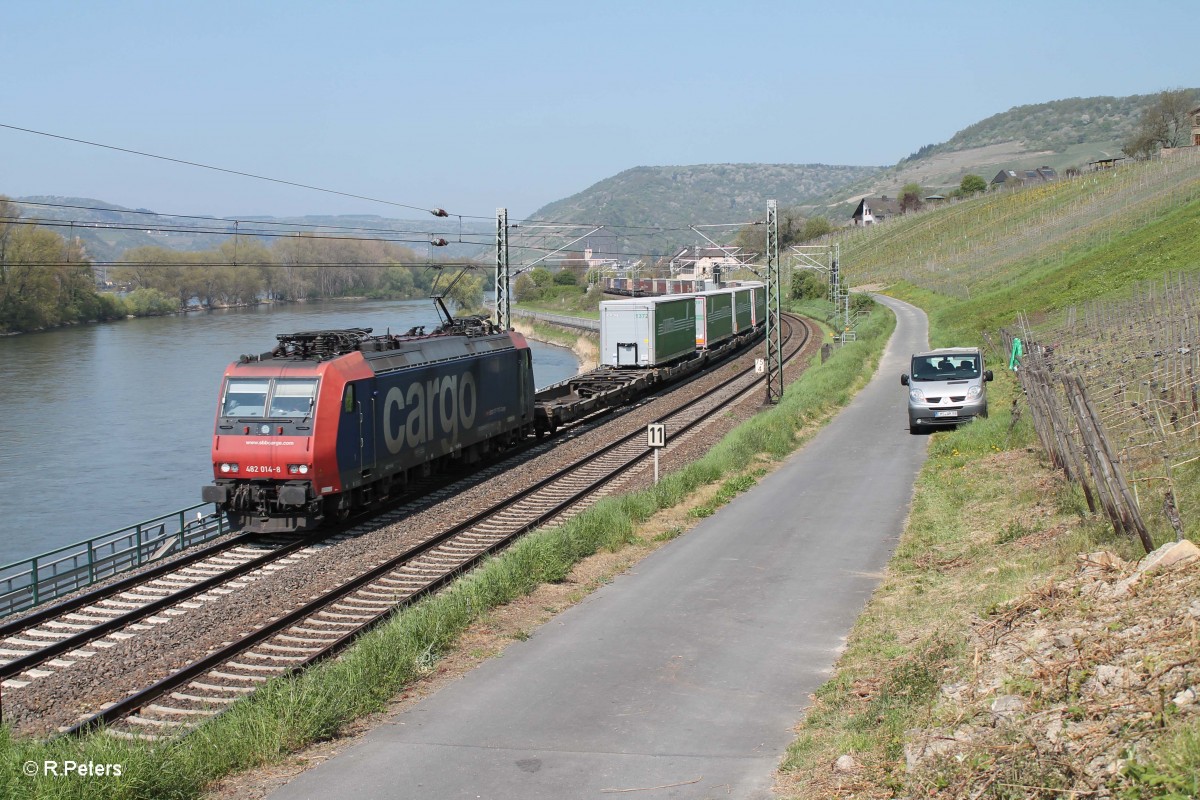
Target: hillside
1060, 134
675, 197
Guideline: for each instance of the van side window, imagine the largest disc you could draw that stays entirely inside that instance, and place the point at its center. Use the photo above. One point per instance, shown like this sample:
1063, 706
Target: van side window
348, 398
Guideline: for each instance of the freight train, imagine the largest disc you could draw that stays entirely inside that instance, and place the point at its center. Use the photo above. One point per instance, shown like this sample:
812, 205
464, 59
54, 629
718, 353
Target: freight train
332, 421
650, 287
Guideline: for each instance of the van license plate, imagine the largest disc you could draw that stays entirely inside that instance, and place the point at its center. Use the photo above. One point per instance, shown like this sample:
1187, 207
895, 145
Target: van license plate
946, 413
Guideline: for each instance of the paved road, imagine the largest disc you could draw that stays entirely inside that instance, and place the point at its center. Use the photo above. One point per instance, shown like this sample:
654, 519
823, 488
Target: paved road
689, 671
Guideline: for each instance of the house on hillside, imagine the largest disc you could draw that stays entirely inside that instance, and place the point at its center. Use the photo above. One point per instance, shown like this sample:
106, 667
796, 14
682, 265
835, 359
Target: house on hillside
1013, 178
871, 210
693, 263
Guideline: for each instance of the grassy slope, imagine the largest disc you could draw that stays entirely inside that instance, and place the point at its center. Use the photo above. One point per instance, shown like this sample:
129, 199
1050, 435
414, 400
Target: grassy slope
990, 517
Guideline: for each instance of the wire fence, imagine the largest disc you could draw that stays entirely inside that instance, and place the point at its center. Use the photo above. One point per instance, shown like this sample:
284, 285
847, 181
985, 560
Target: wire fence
1114, 394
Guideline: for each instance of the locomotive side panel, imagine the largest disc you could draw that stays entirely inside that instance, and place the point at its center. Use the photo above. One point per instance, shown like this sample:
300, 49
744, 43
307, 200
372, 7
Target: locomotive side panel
430, 412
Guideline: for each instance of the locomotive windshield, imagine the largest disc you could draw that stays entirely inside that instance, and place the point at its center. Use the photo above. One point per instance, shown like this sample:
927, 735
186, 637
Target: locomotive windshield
248, 397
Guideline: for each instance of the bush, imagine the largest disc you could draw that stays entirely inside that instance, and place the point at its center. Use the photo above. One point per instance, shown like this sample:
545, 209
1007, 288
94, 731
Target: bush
149, 303
808, 285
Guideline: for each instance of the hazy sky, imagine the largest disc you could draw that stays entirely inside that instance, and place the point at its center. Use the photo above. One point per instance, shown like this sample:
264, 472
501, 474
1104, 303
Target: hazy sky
475, 105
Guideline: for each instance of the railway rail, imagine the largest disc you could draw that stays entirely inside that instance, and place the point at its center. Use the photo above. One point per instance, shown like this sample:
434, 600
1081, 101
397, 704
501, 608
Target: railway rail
323, 626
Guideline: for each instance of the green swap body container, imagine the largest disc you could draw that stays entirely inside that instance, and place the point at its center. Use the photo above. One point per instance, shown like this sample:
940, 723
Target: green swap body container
714, 317
743, 309
647, 331
758, 305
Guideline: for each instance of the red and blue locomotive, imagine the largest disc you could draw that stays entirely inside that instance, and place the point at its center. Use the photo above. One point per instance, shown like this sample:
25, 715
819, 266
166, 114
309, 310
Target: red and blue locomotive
332, 420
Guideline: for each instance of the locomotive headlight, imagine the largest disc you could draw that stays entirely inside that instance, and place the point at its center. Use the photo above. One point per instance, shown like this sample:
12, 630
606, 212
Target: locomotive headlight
265, 429
228, 466
298, 469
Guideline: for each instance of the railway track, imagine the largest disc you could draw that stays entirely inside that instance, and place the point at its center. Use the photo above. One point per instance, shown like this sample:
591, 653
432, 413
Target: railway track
59, 636
326, 624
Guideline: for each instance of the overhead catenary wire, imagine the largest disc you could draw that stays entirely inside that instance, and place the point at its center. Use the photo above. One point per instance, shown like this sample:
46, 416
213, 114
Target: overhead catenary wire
435, 211
234, 221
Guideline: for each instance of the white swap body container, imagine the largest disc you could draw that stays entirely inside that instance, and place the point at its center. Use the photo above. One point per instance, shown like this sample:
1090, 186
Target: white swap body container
647, 331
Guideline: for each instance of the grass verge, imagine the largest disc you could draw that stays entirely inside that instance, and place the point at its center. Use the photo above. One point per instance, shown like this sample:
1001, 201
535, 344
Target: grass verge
288, 714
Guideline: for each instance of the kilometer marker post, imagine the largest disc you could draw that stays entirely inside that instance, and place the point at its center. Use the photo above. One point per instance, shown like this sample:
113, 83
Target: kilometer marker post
656, 439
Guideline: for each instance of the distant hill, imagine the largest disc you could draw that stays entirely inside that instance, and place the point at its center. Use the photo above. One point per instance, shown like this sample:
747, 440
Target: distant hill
1059, 134
108, 230
675, 197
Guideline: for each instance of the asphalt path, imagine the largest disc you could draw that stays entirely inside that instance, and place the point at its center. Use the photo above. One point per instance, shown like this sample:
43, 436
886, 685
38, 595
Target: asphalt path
685, 677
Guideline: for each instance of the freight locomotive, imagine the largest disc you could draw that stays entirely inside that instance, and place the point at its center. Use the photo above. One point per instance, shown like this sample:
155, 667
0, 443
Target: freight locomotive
332, 420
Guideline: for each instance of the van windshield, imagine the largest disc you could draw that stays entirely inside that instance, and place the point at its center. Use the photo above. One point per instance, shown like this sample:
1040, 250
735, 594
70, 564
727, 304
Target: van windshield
945, 367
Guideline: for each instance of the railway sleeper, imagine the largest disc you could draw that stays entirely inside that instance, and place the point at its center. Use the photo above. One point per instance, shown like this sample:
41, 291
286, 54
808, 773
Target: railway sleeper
195, 698
215, 687
325, 634
194, 712
288, 649
255, 667
273, 657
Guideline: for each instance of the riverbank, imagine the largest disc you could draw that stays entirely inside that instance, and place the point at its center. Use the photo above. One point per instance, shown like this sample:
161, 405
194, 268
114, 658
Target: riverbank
586, 347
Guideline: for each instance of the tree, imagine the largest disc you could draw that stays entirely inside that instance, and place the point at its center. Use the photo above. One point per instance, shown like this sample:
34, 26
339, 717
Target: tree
972, 184
525, 290
910, 198
44, 279
1164, 123
794, 228
808, 285
565, 277
815, 228
467, 292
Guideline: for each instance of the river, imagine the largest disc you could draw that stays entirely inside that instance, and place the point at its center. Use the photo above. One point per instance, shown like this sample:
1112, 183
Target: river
105, 425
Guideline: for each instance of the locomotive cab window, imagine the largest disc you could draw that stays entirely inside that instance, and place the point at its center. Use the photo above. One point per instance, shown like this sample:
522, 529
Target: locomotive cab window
245, 398
293, 398
256, 397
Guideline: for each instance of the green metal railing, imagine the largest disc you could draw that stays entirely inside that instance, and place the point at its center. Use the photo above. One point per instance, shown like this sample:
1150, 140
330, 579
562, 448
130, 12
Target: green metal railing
30, 582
